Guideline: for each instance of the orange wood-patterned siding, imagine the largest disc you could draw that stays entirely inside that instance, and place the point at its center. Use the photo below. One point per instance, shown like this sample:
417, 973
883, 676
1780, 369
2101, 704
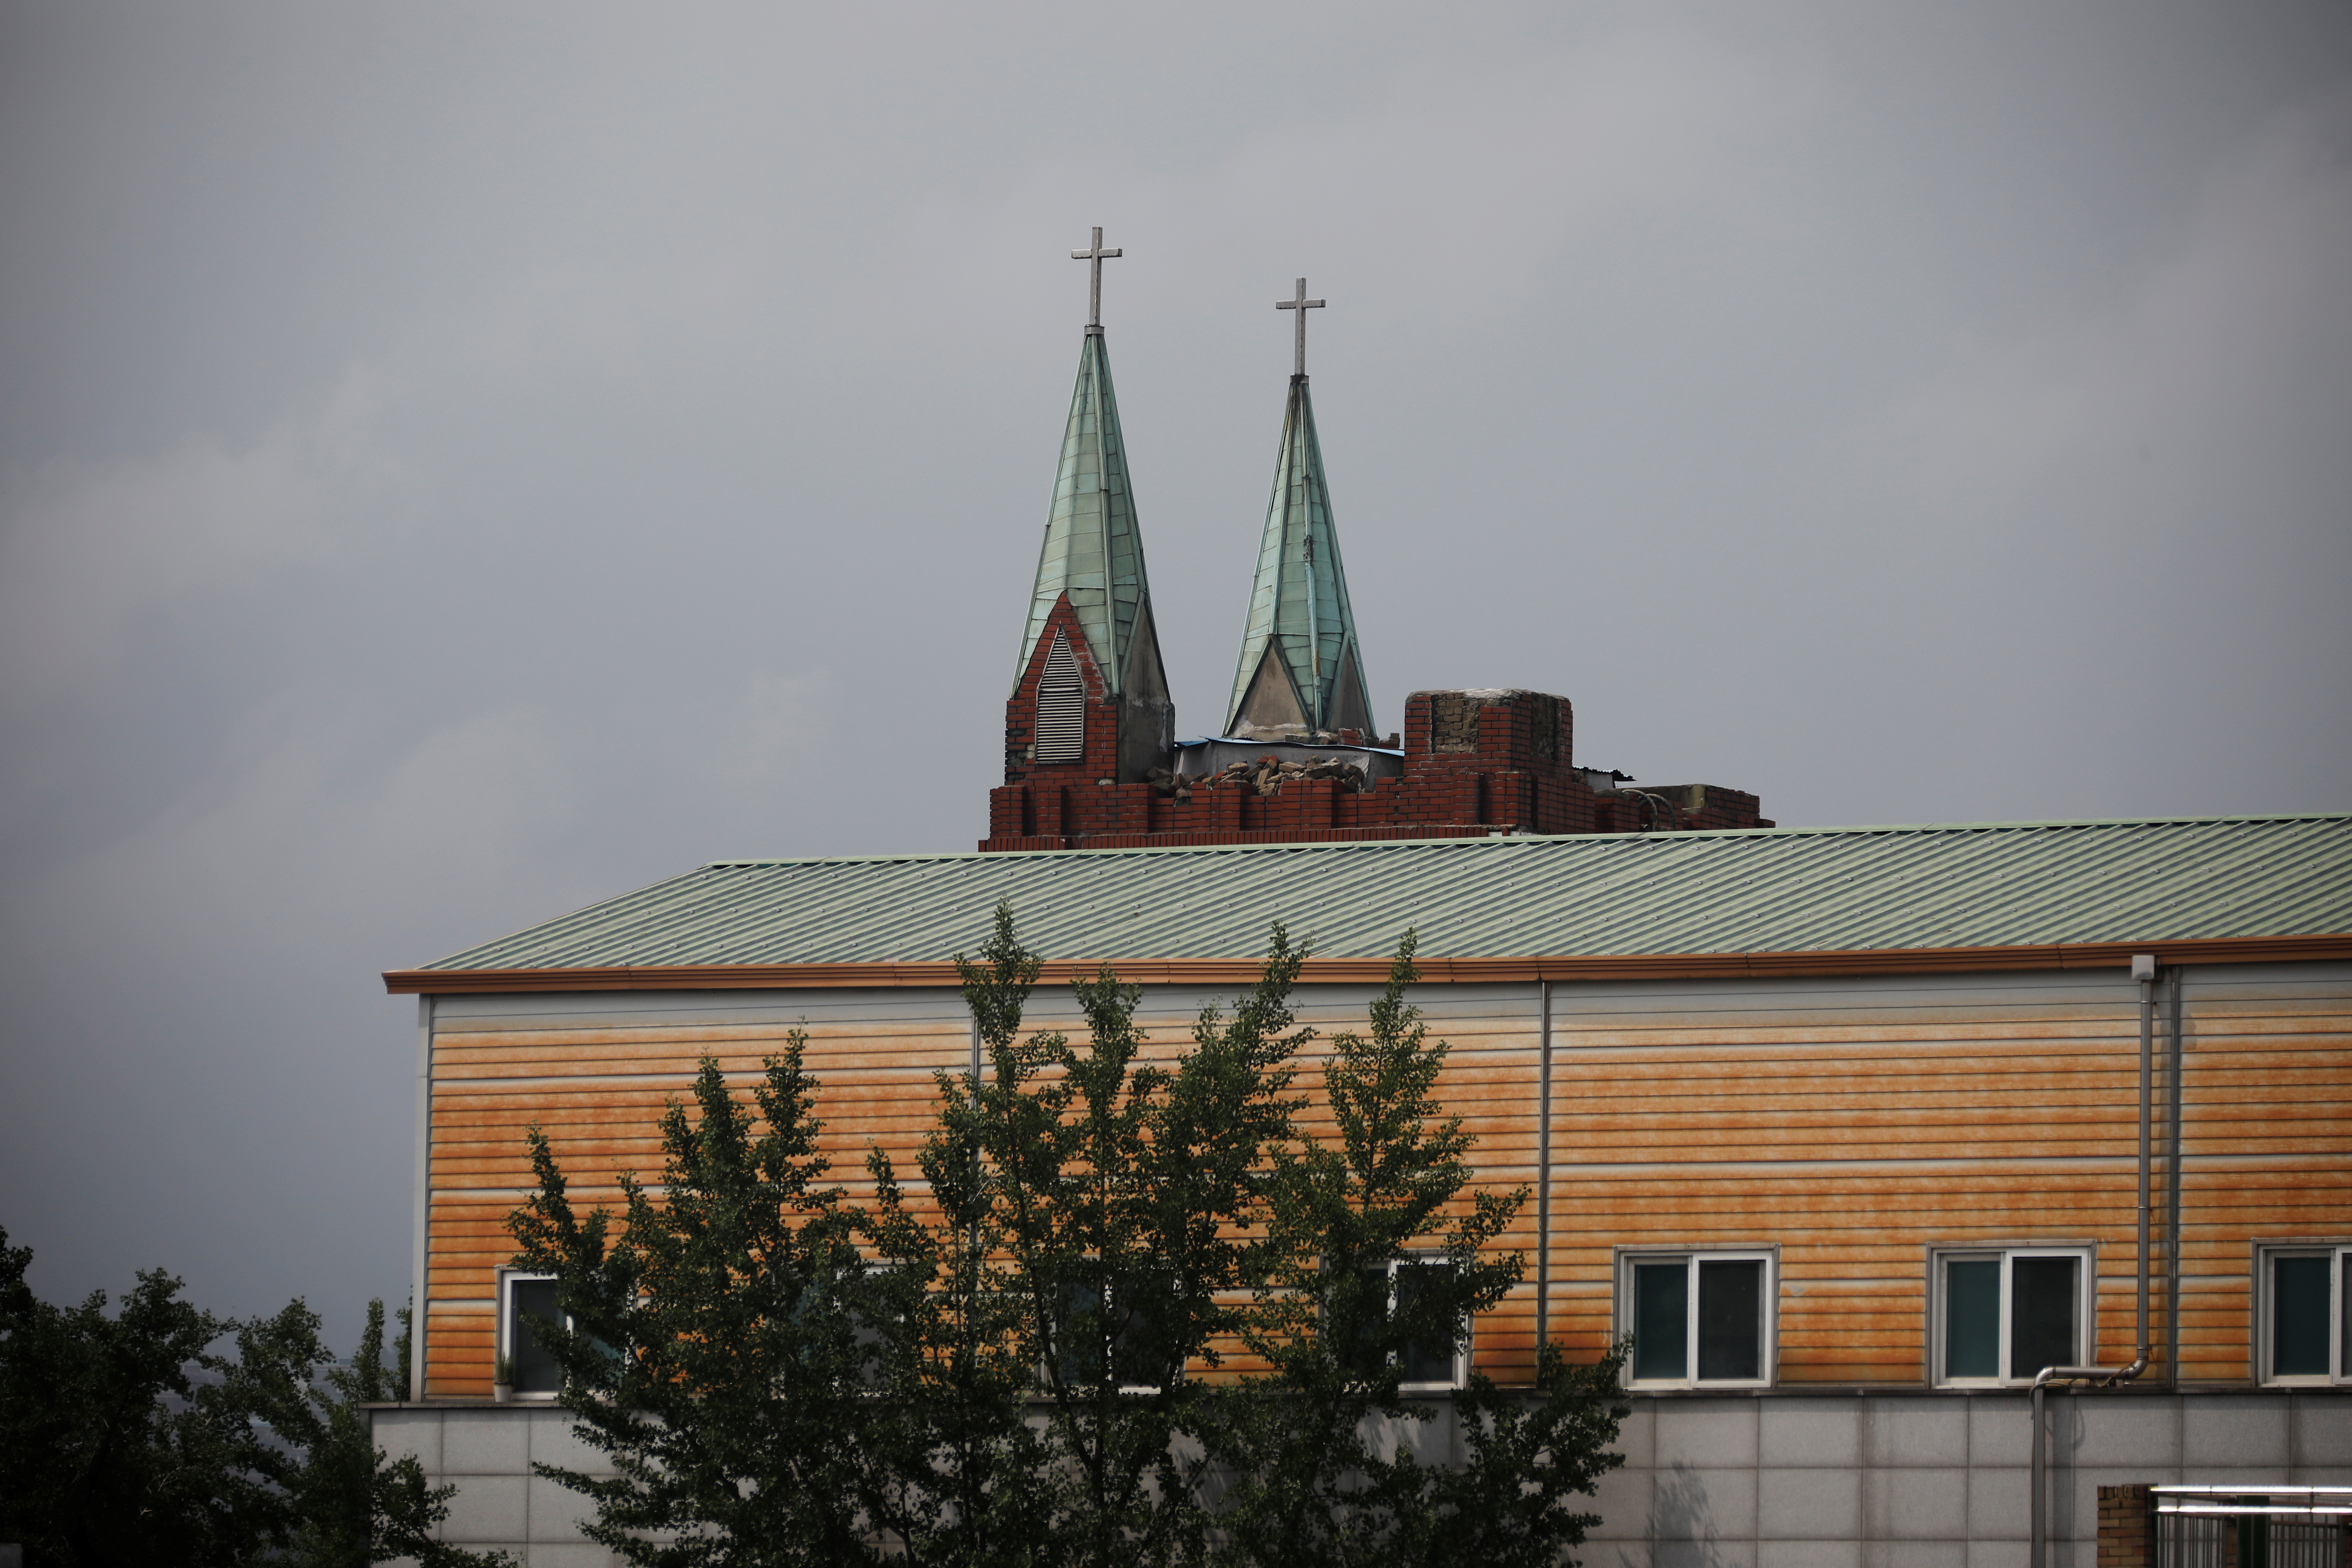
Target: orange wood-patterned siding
595, 1071
1850, 1122
1856, 1124
2266, 1126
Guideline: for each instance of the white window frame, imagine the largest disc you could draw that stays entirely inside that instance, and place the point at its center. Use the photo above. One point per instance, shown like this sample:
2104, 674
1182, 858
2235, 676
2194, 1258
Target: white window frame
1460, 1375
2087, 1304
2266, 1254
507, 1280
1767, 1346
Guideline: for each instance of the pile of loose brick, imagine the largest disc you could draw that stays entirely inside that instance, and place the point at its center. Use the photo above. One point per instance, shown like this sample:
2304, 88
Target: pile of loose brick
1266, 776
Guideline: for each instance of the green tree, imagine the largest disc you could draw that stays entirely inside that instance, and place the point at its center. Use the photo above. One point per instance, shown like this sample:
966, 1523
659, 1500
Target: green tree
1030, 1368
788, 1396
132, 1438
708, 1348
1102, 1213
1379, 1270
353, 1504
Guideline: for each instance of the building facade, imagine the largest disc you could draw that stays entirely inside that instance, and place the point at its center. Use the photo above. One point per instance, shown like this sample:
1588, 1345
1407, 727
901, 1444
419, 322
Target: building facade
1840, 1126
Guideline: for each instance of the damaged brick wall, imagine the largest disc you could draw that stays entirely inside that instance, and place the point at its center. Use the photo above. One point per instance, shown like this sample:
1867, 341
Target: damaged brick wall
1476, 762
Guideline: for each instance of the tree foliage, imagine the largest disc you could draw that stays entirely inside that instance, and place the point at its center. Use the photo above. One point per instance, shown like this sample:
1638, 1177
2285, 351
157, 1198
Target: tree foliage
1139, 1310
1117, 1208
134, 1437
708, 1349
1378, 1267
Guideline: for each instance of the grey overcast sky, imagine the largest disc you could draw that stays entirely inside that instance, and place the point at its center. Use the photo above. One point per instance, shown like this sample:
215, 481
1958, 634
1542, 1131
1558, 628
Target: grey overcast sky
461, 461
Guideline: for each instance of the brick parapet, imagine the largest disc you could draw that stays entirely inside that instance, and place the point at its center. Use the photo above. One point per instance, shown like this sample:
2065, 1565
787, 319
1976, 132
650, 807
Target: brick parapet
1476, 763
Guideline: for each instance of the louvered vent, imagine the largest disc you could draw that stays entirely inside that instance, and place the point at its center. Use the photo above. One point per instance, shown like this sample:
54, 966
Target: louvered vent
1061, 706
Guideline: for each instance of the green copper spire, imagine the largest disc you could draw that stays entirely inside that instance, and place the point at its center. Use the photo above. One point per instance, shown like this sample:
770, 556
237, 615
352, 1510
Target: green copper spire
1093, 551
1301, 672
1093, 556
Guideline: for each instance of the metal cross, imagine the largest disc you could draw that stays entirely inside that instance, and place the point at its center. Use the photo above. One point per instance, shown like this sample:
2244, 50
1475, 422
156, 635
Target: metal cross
1094, 253
1302, 304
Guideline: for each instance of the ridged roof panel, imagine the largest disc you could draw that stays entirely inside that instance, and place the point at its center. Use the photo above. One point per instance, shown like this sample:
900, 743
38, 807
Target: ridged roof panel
1774, 890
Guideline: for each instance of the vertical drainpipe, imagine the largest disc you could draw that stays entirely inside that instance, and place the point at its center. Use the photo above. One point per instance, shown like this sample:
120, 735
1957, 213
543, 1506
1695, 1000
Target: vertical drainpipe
972, 1101
418, 1260
2172, 1184
2143, 969
1543, 1169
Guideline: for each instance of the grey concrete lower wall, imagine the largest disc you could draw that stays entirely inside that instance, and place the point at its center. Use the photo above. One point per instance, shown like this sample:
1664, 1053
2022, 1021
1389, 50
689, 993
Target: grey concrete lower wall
1803, 1481
487, 1451
1768, 1480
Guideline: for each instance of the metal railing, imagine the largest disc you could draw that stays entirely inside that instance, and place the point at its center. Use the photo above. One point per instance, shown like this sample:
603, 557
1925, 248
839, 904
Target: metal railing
2234, 1527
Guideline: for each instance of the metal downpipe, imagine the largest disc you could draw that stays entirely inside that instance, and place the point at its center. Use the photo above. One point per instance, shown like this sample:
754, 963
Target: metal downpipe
2143, 971
1543, 1171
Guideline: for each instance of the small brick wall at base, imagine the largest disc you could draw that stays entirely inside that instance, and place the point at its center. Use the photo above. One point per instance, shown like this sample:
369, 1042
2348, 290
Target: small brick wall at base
2127, 1527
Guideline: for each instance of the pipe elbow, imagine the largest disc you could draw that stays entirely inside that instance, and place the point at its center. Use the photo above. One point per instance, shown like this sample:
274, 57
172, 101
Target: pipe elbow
2106, 1376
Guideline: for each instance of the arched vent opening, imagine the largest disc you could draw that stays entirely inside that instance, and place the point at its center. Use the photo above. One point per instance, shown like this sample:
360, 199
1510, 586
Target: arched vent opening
1061, 732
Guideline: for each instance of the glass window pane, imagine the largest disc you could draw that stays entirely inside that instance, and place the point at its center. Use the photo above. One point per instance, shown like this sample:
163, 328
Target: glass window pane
2344, 1358
1660, 1319
1362, 1351
1731, 1319
1972, 1318
2045, 1299
2299, 1317
1079, 1335
535, 1371
1428, 1359
1135, 1348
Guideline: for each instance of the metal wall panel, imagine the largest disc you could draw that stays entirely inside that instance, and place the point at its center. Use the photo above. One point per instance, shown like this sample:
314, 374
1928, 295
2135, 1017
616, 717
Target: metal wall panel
1858, 1122
1850, 1122
2267, 1140
596, 1070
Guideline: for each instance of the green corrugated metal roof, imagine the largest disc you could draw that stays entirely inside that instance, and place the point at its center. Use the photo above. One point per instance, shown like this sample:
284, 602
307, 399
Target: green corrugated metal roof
1298, 602
1092, 549
1786, 889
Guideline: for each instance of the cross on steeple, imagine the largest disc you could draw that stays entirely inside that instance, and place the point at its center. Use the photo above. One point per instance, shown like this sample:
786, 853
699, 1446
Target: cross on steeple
1094, 253
1302, 304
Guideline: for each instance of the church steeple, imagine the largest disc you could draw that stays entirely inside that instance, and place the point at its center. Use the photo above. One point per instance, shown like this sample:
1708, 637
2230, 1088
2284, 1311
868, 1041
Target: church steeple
1301, 672
1092, 558
1093, 551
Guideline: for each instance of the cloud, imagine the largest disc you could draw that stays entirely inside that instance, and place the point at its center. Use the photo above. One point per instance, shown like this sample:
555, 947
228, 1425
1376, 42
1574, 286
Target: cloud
97, 558
2111, 532
189, 999
2228, 341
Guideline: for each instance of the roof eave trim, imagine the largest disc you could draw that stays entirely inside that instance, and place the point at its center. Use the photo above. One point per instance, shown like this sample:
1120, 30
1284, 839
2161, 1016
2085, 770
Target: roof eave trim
2303, 949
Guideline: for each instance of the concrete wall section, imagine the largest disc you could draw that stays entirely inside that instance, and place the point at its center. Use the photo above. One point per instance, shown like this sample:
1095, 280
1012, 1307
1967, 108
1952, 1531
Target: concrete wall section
1772, 1480
487, 1451
1817, 1480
